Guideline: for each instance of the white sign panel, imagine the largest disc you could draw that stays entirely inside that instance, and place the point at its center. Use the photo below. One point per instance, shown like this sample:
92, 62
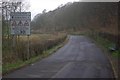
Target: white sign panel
20, 23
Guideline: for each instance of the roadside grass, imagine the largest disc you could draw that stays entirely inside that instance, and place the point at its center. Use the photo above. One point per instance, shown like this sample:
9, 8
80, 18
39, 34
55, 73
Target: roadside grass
11, 67
35, 39
107, 45
116, 53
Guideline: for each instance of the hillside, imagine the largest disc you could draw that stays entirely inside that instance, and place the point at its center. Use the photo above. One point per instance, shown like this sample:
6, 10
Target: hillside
79, 16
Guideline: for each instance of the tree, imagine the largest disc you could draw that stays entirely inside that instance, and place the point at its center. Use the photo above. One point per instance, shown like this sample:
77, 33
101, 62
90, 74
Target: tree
79, 15
44, 11
9, 6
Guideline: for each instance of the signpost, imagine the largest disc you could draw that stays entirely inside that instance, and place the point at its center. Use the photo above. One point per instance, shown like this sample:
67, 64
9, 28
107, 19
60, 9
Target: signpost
20, 25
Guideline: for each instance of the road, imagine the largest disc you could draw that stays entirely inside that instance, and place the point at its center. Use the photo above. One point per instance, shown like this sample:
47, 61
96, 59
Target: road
79, 58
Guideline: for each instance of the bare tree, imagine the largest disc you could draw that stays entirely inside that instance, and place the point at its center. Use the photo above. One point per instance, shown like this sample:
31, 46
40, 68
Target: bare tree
7, 7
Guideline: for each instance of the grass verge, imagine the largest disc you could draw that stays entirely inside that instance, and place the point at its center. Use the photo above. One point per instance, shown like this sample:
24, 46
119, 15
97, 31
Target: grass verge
19, 64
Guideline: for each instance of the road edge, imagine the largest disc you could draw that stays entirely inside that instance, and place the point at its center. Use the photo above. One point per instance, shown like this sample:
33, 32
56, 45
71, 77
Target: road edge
107, 54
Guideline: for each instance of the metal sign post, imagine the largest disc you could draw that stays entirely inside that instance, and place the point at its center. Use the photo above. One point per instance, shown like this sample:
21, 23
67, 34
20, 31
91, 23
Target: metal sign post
28, 48
20, 25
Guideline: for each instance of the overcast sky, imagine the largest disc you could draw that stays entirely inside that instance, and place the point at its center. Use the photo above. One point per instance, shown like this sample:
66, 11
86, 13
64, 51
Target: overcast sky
37, 6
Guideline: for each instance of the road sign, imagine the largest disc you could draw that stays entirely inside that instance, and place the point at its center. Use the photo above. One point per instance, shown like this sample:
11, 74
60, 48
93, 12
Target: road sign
20, 23
26, 23
13, 23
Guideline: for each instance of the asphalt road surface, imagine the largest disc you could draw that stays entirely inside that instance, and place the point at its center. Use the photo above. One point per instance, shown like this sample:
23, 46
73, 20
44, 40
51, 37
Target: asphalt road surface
79, 58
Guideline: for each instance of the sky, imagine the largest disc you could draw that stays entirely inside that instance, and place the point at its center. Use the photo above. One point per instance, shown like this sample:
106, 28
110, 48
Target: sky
37, 6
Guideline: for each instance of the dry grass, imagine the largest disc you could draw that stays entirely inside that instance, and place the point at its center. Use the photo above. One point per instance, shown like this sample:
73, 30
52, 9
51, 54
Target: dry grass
38, 44
41, 37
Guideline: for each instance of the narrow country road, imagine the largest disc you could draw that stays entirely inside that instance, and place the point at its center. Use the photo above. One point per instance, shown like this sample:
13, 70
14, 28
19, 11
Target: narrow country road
79, 58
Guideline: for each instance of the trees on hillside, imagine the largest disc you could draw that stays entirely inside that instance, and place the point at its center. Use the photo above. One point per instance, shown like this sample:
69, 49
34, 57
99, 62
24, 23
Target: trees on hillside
78, 15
